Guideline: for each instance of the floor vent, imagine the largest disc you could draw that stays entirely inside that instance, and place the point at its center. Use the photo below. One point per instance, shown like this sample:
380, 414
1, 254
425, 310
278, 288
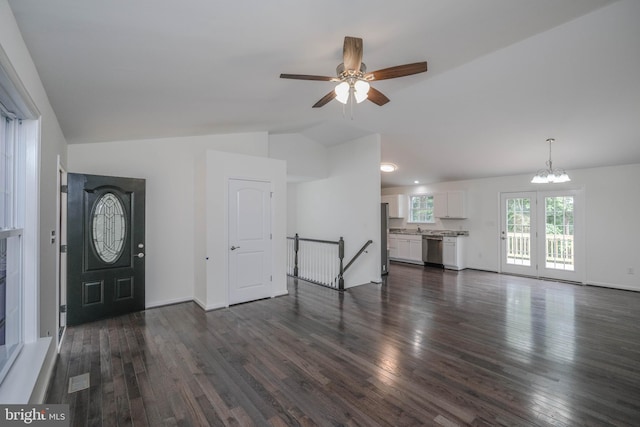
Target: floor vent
79, 382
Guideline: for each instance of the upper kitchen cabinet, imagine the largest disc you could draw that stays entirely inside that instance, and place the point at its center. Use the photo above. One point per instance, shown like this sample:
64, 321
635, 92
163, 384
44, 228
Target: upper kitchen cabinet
397, 205
450, 205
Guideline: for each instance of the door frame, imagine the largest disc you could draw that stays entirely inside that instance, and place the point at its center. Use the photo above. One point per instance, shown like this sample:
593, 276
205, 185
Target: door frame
216, 169
59, 239
227, 223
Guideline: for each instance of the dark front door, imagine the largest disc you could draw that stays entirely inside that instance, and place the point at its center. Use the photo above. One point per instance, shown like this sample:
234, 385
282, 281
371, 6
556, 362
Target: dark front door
105, 246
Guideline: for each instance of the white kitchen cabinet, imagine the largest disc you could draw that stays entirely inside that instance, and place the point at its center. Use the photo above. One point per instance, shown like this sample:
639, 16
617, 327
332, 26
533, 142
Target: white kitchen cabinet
397, 205
393, 246
403, 248
415, 249
453, 253
406, 248
450, 205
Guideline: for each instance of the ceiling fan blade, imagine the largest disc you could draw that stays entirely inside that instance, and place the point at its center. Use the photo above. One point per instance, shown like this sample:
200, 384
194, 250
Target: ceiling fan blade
325, 99
307, 77
377, 97
397, 71
352, 53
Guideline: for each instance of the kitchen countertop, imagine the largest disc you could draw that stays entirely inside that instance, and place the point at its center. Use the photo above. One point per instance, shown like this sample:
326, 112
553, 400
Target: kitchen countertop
444, 233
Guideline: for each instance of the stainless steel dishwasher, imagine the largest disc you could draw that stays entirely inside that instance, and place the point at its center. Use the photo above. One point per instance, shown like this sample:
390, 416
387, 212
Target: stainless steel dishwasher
432, 249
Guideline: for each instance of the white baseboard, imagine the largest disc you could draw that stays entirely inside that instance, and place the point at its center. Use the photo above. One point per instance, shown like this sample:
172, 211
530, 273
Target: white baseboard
614, 286
208, 307
154, 304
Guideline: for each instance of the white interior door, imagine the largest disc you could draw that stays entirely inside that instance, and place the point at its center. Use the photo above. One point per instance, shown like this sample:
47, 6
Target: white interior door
249, 240
540, 234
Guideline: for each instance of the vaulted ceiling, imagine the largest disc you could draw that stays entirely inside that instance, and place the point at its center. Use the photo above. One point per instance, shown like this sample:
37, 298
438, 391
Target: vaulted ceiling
504, 75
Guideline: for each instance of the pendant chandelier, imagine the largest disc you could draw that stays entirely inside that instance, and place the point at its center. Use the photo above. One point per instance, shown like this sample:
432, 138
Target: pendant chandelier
550, 175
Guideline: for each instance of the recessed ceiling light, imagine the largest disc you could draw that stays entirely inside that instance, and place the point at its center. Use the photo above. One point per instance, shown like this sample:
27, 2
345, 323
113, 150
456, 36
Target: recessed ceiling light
416, 182
388, 167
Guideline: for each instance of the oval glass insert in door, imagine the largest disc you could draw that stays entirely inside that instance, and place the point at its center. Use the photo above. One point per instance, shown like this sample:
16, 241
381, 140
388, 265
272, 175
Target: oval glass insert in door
109, 228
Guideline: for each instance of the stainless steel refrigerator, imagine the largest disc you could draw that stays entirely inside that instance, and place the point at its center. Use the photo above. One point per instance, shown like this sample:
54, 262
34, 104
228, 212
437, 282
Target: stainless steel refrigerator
384, 233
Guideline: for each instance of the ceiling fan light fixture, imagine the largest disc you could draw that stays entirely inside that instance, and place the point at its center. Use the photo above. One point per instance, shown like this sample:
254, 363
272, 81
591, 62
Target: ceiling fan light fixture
361, 90
550, 175
342, 92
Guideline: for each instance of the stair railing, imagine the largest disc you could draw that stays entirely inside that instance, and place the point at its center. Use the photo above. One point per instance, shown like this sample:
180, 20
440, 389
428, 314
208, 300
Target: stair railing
319, 261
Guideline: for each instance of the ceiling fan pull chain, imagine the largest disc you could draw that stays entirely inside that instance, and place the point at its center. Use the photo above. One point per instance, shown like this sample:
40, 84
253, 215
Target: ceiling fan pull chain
352, 97
351, 105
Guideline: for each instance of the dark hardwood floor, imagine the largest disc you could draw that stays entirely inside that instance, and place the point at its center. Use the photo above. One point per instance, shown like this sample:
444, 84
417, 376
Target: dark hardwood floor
429, 347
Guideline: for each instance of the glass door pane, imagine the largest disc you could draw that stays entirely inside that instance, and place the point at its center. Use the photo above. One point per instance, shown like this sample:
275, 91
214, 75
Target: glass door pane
559, 233
519, 231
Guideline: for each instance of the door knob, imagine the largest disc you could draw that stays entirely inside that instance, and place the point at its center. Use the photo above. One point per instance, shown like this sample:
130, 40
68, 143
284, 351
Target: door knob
140, 255
233, 248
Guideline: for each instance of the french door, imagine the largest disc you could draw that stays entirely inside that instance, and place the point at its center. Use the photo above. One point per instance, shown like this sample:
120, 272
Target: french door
541, 234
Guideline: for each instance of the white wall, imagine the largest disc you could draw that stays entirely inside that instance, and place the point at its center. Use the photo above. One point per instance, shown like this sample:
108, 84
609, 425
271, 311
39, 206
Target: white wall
170, 167
220, 167
306, 159
612, 230
292, 209
346, 204
52, 145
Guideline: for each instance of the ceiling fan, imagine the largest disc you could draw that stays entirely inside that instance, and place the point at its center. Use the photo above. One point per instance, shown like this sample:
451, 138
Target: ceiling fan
353, 77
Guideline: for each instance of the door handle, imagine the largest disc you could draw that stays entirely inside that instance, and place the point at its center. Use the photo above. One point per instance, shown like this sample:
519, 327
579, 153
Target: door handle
233, 248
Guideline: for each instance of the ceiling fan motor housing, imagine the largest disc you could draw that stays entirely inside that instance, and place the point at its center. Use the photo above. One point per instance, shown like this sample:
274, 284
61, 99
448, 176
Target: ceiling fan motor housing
344, 74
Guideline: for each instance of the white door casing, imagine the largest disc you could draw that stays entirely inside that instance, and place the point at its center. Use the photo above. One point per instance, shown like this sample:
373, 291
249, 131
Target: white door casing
250, 248
62, 255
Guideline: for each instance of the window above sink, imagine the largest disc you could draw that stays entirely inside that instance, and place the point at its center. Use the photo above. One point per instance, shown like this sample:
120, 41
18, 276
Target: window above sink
421, 209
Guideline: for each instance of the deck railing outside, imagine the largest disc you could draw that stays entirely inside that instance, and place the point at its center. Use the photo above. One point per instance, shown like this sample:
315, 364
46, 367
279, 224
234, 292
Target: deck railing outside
559, 248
